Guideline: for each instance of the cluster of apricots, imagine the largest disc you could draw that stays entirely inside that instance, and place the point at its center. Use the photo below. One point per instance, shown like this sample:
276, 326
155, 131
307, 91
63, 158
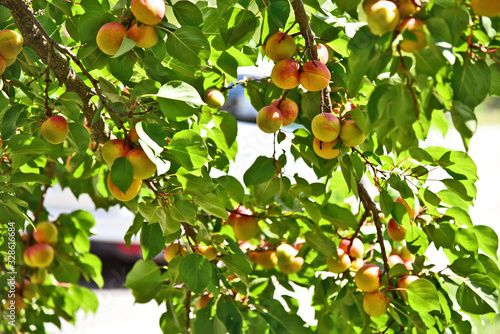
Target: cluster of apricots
148, 13
41, 253
175, 249
367, 277
143, 167
11, 44
384, 16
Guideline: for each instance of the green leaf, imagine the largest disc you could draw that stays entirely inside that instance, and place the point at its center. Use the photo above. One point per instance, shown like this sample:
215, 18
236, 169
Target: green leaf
228, 125
423, 296
470, 82
478, 295
488, 239
196, 272
180, 91
262, 170
237, 26
189, 149
26, 144
9, 121
211, 204
78, 137
152, 240
468, 240
189, 45
464, 120
339, 216
232, 187
279, 11
144, 279
66, 271
122, 174
29, 177
187, 14
239, 264
183, 211
321, 243
127, 45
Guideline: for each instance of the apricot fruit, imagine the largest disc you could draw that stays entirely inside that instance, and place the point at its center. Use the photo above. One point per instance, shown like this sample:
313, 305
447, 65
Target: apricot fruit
46, 233
351, 134
207, 251
407, 8
325, 127
339, 264
326, 149
144, 168
245, 227
266, 259
382, 17
269, 119
292, 268
114, 149
110, 37
357, 247
129, 195
285, 254
375, 303
416, 27
367, 278
3, 65
214, 98
234, 216
11, 44
403, 284
55, 129
315, 76
489, 8
149, 12
394, 259
395, 231
280, 46
144, 36
289, 110
40, 255
323, 55
285, 74
203, 301
174, 250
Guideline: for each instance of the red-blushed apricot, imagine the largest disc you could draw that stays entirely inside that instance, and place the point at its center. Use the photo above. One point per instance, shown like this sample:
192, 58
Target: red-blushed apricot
280, 46
367, 278
326, 149
55, 129
129, 195
394, 259
350, 134
357, 247
144, 168
144, 36
245, 227
357, 263
315, 76
395, 231
114, 149
489, 8
325, 127
382, 17
323, 55
375, 303
234, 216
214, 98
416, 27
45, 232
110, 37
339, 264
406, 254
403, 284
40, 255
285, 74
148, 11
289, 110
367, 5
412, 213
269, 119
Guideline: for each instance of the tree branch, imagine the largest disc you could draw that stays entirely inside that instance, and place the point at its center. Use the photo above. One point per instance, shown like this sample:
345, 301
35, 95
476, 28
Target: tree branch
37, 38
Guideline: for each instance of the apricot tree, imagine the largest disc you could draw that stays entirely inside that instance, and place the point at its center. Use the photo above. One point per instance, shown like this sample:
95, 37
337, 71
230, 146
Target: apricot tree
123, 101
